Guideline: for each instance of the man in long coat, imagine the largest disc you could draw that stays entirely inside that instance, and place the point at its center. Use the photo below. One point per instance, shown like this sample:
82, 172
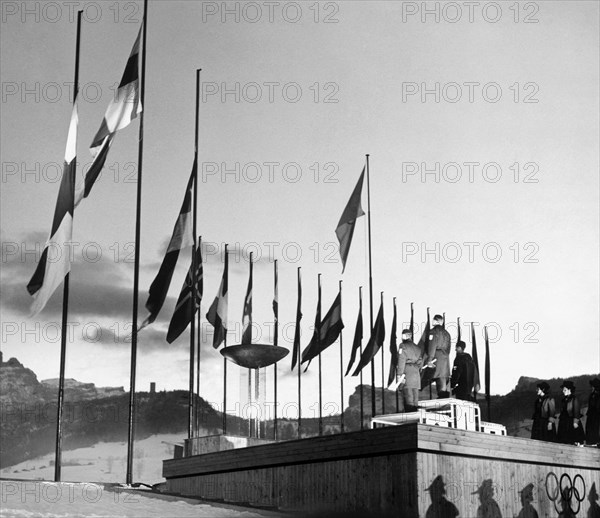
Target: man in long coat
408, 371
463, 373
438, 356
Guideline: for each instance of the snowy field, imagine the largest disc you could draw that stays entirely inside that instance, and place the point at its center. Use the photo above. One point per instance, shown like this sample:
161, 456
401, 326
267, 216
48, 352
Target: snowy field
103, 462
28, 499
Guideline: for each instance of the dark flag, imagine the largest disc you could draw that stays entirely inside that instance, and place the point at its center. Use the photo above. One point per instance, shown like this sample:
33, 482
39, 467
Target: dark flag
424, 340
315, 337
458, 326
393, 350
247, 315
412, 320
181, 238
428, 372
358, 336
296, 351
476, 379
49, 274
122, 109
329, 329
345, 227
374, 343
183, 314
487, 365
217, 313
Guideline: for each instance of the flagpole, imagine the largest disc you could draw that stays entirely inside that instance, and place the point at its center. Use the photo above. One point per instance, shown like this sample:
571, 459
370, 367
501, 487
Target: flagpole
299, 375
396, 345
341, 369
373, 409
225, 365
318, 334
65, 303
362, 403
487, 374
275, 343
136, 270
198, 342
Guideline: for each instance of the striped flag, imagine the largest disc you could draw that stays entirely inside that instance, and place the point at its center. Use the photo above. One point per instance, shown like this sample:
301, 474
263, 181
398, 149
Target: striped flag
328, 331
345, 227
476, 380
217, 313
296, 350
374, 343
247, 315
122, 109
182, 237
393, 350
184, 309
55, 261
358, 336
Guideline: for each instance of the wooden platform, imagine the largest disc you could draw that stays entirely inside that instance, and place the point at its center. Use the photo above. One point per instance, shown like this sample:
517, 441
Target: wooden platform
401, 470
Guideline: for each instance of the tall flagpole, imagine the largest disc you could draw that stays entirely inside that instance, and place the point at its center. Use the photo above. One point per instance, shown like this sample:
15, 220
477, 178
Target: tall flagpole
318, 331
362, 402
65, 304
194, 273
136, 271
198, 342
373, 409
275, 343
397, 359
299, 368
225, 361
341, 369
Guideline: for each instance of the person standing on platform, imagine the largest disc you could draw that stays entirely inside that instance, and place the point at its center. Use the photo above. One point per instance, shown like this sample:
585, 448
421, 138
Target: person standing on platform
463, 373
438, 356
592, 425
570, 430
543, 427
408, 371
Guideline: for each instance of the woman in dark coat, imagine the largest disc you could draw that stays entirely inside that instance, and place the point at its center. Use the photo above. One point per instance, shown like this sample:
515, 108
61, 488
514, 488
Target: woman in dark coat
592, 425
570, 430
543, 428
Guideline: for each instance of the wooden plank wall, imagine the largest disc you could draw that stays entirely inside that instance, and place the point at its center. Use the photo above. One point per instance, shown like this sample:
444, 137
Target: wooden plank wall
387, 470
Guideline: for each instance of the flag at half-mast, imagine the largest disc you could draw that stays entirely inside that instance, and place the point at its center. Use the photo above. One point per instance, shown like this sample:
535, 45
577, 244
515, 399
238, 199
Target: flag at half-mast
374, 343
296, 349
329, 329
55, 261
184, 309
345, 227
393, 349
182, 237
217, 313
358, 336
122, 109
247, 314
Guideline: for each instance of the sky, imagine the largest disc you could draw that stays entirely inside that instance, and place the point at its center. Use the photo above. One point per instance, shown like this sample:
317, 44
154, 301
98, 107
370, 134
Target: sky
481, 122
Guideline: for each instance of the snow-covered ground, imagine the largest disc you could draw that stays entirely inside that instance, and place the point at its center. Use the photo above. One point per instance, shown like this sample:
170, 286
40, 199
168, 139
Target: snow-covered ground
103, 462
28, 499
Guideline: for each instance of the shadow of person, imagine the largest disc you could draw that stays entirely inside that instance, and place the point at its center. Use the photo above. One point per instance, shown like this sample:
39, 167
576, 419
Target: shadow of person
440, 506
594, 510
488, 507
528, 511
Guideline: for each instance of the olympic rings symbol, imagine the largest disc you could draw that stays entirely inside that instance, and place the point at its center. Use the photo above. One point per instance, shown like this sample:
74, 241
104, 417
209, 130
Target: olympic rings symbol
566, 489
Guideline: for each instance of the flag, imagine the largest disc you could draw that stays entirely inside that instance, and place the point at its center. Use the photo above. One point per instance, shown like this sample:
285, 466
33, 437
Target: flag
181, 238
296, 350
329, 329
412, 320
345, 227
458, 325
476, 380
424, 340
217, 313
275, 303
393, 350
374, 343
122, 109
247, 315
184, 312
358, 336
487, 364
315, 337
51, 271
426, 373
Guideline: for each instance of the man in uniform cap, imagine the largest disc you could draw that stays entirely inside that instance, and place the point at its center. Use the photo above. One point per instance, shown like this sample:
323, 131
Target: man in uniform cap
408, 371
438, 356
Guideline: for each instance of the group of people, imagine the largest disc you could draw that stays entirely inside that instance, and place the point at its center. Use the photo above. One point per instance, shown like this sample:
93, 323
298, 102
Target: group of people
412, 361
569, 429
